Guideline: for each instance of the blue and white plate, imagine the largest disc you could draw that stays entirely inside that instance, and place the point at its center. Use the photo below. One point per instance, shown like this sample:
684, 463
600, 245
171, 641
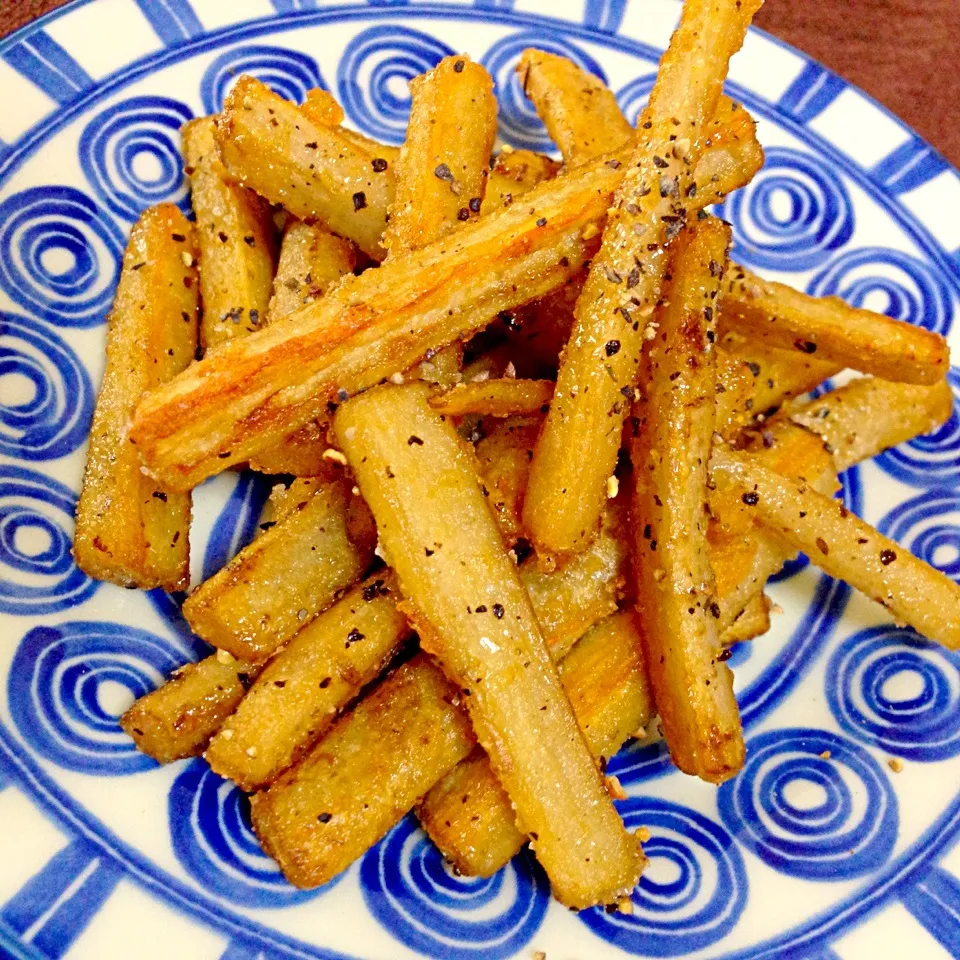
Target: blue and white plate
819, 849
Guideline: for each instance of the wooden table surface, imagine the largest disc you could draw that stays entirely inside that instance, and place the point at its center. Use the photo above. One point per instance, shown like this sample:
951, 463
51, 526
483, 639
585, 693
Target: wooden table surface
900, 51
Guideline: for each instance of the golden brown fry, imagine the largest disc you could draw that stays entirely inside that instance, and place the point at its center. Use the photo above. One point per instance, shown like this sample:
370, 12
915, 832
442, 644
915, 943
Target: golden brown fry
471, 610
468, 816
309, 819
734, 393
467, 813
303, 688
129, 529
442, 170
322, 108
514, 173
254, 393
312, 259
571, 600
676, 594
420, 760
289, 574
276, 149
869, 415
742, 557
754, 621
777, 315
286, 498
846, 547
776, 376
300, 455
235, 240
578, 446
580, 111
443, 165
504, 459
605, 677
442, 367
178, 719
500, 397
566, 602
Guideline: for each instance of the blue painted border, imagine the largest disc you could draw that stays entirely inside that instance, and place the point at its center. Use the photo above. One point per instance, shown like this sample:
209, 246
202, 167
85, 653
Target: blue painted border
60, 806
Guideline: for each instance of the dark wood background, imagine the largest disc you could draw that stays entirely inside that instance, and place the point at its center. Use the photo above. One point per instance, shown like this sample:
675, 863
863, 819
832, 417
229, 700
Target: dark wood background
903, 52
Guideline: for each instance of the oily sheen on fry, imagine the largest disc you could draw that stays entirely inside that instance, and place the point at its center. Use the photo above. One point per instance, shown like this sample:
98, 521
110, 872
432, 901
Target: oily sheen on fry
473, 614
257, 391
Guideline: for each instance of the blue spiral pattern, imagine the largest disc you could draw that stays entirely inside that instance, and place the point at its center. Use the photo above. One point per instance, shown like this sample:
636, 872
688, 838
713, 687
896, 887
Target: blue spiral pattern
692, 892
130, 154
894, 690
212, 838
793, 215
811, 804
69, 684
413, 893
640, 761
889, 282
288, 73
928, 526
933, 459
634, 96
52, 415
373, 74
59, 255
236, 522
519, 123
37, 572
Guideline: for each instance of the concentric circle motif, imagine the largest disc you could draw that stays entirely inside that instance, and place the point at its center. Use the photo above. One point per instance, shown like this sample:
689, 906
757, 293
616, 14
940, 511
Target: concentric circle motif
891, 689
928, 526
59, 255
633, 97
793, 215
213, 840
37, 572
69, 684
889, 282
519, 123
236, 523
287, 72
640, 761
130, 154
692, 892
811, 804
46, 398
373, 74
414, 894
933, 459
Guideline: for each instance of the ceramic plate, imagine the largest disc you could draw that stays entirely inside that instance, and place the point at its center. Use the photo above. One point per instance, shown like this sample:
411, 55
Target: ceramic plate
819, 849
